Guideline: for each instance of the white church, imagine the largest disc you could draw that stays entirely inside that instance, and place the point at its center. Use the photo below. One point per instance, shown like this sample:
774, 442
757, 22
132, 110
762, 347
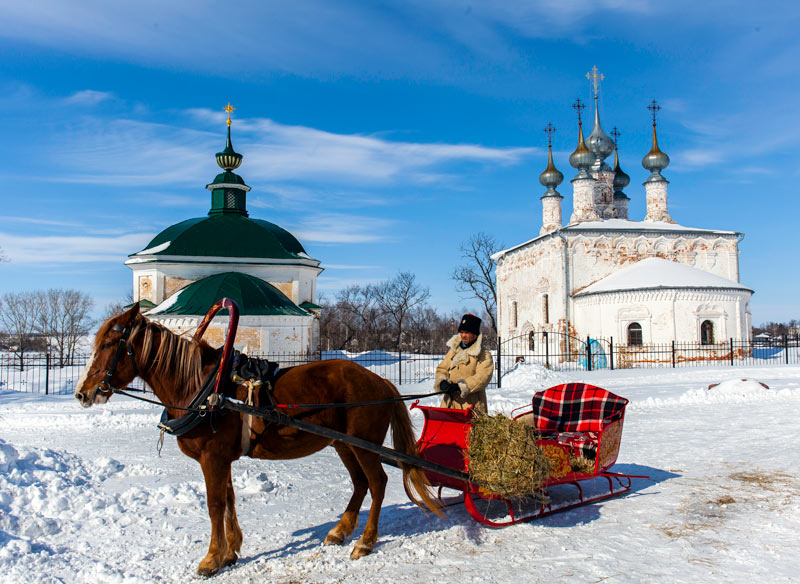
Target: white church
604, 275
188, 266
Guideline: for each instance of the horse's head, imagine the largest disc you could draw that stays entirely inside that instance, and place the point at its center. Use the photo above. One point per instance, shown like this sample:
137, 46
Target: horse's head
111, 364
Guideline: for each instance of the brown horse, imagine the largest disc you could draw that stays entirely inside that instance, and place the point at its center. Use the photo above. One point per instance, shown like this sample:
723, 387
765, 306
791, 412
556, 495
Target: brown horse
175, 368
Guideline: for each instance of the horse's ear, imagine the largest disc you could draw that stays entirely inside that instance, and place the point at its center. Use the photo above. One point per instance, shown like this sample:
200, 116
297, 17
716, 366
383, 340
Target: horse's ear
131, 313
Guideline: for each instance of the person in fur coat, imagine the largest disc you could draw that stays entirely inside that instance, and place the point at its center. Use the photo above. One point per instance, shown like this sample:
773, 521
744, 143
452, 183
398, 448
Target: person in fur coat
466, 369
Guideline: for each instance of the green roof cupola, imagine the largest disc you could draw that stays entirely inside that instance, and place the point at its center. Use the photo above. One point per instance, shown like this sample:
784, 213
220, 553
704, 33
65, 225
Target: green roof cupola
228, 191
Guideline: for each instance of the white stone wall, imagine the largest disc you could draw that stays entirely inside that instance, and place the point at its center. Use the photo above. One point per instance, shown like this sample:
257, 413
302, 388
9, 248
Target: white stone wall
526, 274
664, 315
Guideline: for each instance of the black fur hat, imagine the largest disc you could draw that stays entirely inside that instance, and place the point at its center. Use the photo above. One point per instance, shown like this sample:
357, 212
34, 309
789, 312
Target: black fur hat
471, 324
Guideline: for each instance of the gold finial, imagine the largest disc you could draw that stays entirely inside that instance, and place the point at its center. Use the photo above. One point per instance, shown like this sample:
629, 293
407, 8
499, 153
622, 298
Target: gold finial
229, 108
595, 79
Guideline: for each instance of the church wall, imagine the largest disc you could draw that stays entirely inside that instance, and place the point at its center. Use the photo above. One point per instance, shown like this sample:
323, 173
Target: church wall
530, 284
664, 315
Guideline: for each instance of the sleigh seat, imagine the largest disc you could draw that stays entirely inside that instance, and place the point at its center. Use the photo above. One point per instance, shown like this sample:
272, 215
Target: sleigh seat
585, 418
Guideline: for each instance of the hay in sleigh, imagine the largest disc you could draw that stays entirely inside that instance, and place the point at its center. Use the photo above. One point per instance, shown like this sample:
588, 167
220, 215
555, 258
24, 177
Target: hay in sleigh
504, 458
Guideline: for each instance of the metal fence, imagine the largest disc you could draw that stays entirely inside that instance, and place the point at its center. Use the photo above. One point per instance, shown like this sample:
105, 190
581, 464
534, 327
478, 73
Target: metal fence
39, 373
567, 353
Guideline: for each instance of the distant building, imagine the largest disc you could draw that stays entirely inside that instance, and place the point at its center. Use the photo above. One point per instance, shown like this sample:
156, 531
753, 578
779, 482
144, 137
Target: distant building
263, 267
604, 275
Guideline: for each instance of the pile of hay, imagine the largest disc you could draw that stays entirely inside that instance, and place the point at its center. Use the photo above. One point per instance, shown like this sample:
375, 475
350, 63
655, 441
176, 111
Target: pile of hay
504, 458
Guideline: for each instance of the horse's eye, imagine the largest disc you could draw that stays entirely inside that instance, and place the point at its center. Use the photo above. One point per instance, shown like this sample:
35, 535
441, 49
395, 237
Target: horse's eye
106, 346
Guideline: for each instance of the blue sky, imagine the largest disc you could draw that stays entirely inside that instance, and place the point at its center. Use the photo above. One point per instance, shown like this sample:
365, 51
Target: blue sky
383, 134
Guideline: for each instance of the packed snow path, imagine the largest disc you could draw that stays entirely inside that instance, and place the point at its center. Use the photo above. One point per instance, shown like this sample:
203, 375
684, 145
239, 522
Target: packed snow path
84, 497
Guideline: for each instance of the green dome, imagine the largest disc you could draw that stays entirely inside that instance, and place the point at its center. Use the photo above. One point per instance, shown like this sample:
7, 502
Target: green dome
234, 236
254, 297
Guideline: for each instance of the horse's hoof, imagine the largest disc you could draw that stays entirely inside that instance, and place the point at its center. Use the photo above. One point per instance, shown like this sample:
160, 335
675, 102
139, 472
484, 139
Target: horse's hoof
334, 537
206, 571
230, 560
359, 551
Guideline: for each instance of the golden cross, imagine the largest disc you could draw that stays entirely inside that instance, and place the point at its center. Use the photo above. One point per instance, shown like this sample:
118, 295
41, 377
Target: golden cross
595, 79
229, 108
549, 130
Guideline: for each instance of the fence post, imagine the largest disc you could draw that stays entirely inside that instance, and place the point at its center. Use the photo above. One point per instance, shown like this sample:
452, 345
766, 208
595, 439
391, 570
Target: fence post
546, 350
611, 352
400, 367
673, 354
47, 373
499, 358
786, 346
731, 351
588, 353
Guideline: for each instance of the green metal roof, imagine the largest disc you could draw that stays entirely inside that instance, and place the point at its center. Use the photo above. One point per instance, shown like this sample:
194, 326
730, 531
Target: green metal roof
229, 235
254, 297
306, 305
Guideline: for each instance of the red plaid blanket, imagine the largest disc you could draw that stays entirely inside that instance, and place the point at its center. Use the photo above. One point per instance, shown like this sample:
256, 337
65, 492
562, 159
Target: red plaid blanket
576, 407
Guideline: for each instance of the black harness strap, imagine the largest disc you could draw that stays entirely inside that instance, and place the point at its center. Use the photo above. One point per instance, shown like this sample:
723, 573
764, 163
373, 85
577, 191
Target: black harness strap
196, 411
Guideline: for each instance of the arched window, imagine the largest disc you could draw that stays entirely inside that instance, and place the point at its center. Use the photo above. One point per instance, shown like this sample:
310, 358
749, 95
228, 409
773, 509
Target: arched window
514, 314
532, 341
635, 334
707, 333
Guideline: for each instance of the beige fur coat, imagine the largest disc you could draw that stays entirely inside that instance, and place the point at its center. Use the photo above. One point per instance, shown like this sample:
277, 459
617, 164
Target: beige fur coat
471, 369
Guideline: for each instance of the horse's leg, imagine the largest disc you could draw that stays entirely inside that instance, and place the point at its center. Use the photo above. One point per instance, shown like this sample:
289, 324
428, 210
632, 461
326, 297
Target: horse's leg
218, 476
371, 465
349, 518
233, 533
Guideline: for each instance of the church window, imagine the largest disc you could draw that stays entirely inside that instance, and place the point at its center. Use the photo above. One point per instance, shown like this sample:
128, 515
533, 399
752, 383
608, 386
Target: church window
514, 314
532, 341
545, 309
707, 333
635, 334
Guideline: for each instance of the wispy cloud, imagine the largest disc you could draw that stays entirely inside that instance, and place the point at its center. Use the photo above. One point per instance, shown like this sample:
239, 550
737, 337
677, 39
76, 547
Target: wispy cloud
122, 152
336, 228
88, 97
52, 250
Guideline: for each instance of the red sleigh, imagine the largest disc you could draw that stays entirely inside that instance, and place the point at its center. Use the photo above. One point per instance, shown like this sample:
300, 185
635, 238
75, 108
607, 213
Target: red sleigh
574, 420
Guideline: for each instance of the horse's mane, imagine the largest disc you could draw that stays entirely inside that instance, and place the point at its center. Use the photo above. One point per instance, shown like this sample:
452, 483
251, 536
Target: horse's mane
172, 356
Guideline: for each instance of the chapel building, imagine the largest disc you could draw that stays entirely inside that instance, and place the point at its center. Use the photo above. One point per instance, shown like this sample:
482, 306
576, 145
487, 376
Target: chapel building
187, 267
604, 275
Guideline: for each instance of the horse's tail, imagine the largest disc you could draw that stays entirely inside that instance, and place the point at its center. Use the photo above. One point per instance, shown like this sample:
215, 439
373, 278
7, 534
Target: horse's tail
414, 479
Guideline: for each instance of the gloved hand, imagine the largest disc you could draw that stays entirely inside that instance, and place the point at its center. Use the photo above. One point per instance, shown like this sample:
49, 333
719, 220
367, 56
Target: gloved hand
450, 389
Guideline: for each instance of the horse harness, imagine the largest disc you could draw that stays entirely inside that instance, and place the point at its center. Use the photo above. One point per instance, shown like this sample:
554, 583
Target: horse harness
104, 387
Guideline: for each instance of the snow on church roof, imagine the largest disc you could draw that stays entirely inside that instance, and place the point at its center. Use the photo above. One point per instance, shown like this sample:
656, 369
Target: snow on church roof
657, 273
619, 225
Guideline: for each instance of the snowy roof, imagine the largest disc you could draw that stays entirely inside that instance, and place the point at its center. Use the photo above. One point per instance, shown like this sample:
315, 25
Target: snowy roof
623, 226
657, 273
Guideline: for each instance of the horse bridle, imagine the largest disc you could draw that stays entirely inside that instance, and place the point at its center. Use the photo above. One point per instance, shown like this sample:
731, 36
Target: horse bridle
104, 387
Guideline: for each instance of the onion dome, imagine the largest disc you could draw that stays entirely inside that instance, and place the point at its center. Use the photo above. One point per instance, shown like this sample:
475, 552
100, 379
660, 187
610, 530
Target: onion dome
621, 180
551, 177
229, 159
253, 296
582, 158
655, 161
599, 142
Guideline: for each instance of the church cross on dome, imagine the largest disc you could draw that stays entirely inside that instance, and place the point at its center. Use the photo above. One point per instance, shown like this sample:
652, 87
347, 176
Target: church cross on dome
595, 78
578, 106
654, 109
229, 108
550, 130
615, 133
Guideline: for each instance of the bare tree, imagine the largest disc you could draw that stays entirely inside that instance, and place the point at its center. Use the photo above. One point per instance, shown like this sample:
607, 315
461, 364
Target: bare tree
18, 320
477, 277
360, 315
396, 298
63, 318
116, 308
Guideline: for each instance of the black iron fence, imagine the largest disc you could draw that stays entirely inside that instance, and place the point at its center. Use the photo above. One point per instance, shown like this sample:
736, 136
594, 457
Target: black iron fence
39, 373
567, 353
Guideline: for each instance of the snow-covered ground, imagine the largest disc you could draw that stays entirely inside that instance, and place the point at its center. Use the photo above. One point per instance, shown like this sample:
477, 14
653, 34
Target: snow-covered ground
85, 497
